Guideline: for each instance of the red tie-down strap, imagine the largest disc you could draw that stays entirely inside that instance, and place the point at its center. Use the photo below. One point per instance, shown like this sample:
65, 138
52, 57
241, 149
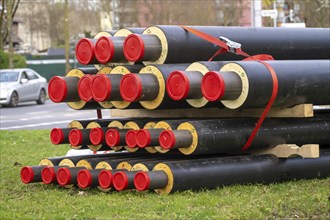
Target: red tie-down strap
228, 46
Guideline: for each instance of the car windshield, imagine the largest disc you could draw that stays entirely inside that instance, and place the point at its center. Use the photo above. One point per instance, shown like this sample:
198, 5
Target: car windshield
11, 76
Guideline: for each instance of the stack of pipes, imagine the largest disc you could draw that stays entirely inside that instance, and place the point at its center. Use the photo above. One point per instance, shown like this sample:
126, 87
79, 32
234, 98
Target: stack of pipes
166, 68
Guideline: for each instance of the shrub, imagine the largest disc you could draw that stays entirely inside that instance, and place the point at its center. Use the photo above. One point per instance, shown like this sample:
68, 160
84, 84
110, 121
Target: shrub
18, 60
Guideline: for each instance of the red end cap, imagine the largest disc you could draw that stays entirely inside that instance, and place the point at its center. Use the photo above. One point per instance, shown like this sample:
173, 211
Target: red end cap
120, 181
85, 51
85, 88
213, 86
177, 85
63, 176
131, 87
96, 136
143, 138
101, 88
141, 181
27, 174
48, 175
112, 137
57, 89
131, 138
104, 49
84, 179
56, 135
167, 139
105, 179
134, 48
75, 137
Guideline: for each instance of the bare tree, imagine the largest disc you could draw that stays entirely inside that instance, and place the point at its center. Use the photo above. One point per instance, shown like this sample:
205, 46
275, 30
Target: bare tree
6, 17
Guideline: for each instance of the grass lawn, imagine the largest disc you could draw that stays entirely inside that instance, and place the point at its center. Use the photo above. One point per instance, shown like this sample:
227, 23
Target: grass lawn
300, 199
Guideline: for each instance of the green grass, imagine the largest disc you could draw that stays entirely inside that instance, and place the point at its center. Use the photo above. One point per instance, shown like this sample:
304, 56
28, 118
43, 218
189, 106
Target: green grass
300, 199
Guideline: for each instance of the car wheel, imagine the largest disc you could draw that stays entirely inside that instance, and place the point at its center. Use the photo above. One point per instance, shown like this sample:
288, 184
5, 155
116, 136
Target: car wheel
13, 100
42, 97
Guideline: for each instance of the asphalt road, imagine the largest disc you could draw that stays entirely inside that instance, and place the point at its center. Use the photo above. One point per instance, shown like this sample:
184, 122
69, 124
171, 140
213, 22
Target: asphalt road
30, 116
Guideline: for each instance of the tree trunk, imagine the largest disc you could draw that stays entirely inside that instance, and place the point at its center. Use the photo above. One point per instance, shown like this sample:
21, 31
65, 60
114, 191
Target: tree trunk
67, 37
9, 25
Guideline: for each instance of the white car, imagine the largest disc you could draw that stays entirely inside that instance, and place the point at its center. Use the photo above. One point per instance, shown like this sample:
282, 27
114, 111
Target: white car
21, 85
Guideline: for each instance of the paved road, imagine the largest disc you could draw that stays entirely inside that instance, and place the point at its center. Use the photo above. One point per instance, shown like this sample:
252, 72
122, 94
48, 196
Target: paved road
29, 116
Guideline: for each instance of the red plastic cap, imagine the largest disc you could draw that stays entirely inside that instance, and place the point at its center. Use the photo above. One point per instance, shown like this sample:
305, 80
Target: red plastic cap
96, 136
85, 51
104, 49
177, 85
48, 175
167, 139
112, 137
105, 179
63, 176
101, 88
213, 86
131, 87
131, 138
75, 137
84, 179
27, 174
56, 135
141, 181
120, 181
85, 88
57, 89
134, 48
143, 138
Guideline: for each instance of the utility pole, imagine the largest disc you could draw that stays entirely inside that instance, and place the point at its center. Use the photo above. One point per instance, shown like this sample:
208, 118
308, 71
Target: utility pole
66, 36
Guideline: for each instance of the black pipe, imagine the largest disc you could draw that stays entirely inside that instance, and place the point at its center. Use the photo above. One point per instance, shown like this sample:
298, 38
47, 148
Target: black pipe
67, 175
31, 174
149, 87
179, 45
124, 180
148, 137
223, 171
65, 88
110, 48
88, 178
105, 87
299, 82
60, 135
230, 135
116, 137
187, 84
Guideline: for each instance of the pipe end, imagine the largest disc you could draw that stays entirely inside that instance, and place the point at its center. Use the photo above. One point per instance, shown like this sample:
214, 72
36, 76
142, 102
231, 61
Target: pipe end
112, 137
105, 179
101, 88
85, 88
85, 51
131, 138
213, 86
167, 139
143, 138
75, 137
130, 87
96, 136
56, 136
177, 85
84, 179
27, 174
63, 176
134, 48
141, 181
57, 89
48, 175
120, 181
104, 49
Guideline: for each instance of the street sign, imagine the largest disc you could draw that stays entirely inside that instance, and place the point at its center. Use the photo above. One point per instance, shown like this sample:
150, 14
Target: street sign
269, 13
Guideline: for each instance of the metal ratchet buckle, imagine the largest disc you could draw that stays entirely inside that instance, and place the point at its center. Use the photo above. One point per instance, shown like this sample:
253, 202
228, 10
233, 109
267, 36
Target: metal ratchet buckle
232, 45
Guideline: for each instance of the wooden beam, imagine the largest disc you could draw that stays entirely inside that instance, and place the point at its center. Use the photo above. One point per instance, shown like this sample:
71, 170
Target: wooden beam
291, 150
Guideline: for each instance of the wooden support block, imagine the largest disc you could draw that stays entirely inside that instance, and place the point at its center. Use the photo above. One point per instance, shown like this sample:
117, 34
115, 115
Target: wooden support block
298, 111
291, 150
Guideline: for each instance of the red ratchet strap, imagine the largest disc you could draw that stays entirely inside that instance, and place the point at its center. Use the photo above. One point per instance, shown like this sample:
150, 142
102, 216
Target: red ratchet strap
228, 46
